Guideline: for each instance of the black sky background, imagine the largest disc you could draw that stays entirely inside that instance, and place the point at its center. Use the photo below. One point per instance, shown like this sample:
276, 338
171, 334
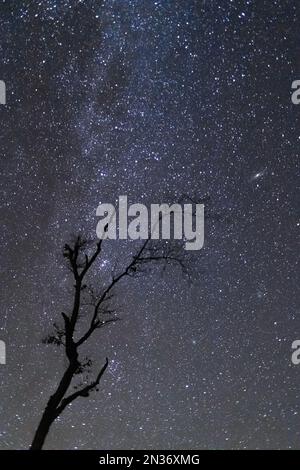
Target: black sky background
153, 99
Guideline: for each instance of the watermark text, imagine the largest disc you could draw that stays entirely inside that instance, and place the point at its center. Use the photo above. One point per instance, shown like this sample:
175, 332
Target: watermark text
162, 221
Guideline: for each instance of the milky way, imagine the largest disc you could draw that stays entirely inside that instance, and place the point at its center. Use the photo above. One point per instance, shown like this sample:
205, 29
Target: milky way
154, 99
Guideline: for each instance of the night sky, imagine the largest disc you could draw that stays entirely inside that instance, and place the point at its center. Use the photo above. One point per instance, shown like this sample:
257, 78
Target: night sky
153, 99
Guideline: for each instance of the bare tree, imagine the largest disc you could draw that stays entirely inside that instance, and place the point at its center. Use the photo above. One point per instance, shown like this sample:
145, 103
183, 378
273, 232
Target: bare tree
80, 262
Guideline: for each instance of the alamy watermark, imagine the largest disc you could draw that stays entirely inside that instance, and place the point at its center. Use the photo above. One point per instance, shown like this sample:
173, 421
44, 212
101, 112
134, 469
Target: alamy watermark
295, 357
296, 94
296, 354
2, 92
2, 352
162, 221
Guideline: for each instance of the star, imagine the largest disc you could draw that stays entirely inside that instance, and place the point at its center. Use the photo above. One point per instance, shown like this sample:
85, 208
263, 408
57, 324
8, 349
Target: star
153, 100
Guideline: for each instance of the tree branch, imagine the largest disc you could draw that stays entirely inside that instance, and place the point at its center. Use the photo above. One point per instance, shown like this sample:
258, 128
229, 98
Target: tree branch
84, 392
89, 262
96, 325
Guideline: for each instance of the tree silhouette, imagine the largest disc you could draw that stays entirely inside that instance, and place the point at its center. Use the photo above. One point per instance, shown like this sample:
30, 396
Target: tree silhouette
80, 262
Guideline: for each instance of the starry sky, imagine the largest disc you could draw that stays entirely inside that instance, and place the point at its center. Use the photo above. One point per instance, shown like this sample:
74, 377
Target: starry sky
153, 99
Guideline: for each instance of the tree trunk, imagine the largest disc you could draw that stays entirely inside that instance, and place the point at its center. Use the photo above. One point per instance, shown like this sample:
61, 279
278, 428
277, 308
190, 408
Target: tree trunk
51, 411
43, 429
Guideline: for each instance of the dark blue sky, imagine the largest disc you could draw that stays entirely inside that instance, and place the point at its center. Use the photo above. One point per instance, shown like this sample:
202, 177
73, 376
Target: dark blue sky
153, 99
